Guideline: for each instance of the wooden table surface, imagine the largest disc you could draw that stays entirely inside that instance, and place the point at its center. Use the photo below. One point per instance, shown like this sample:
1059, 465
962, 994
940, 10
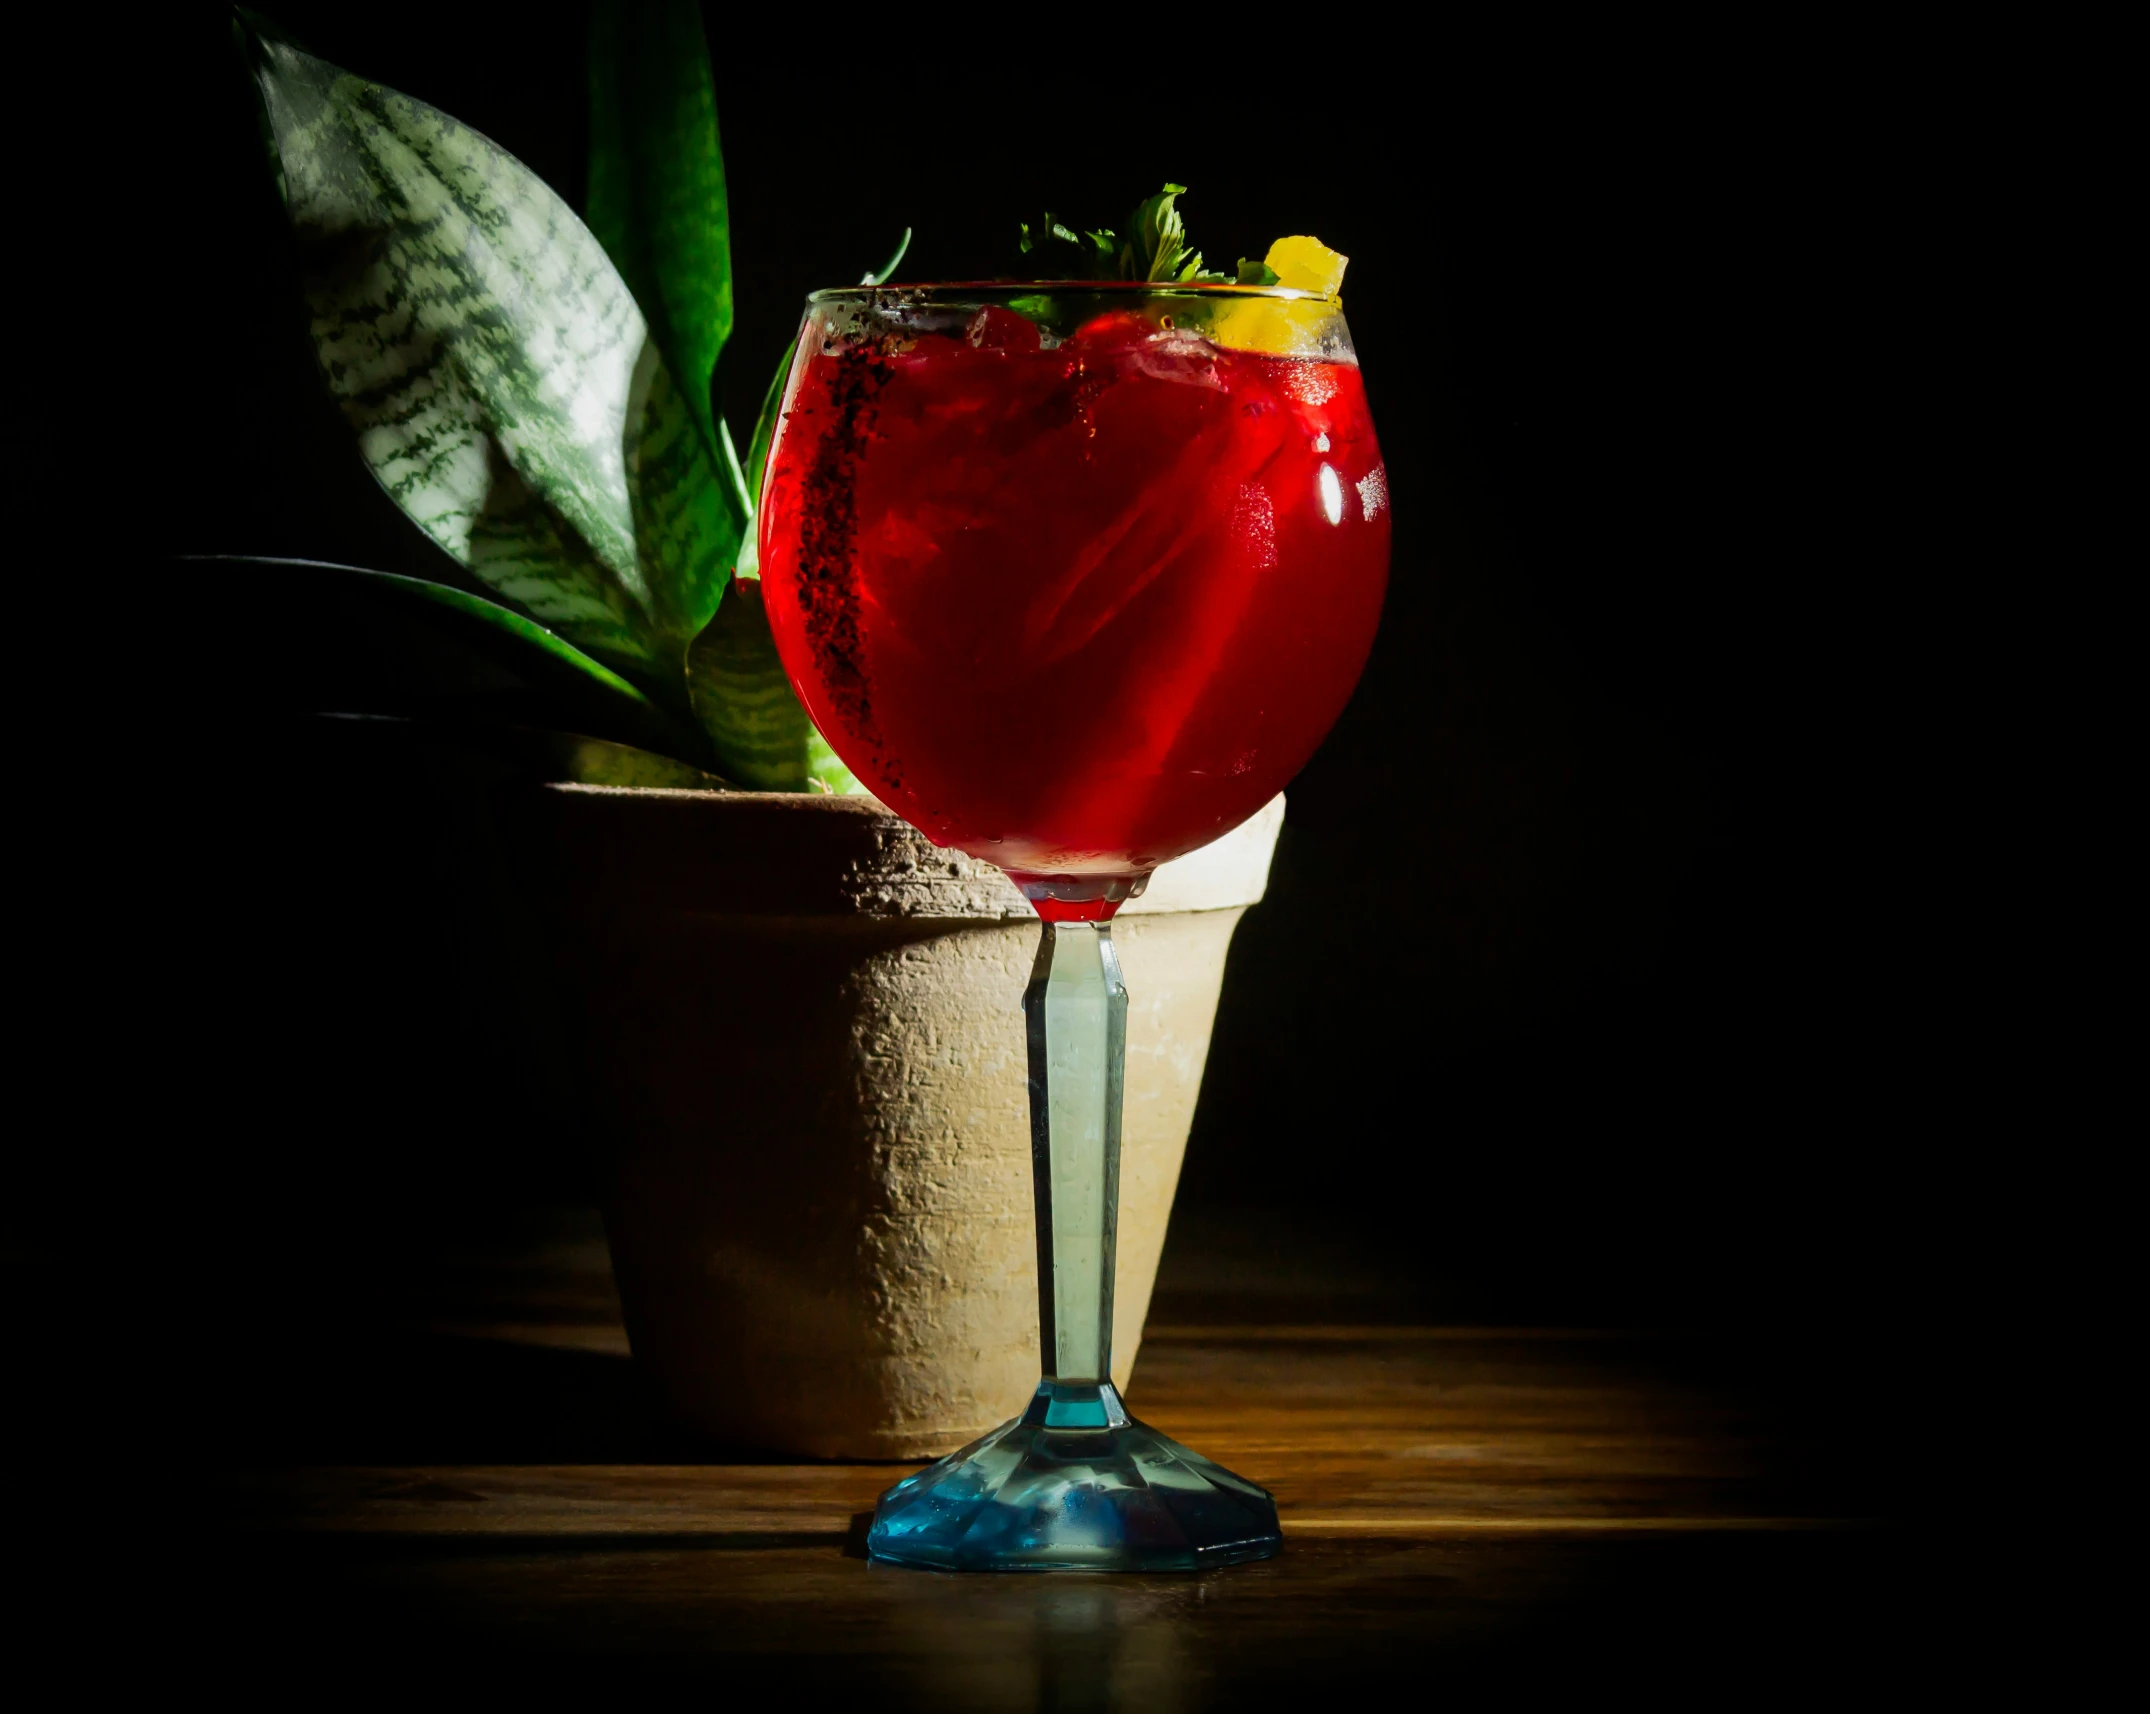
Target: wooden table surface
479, 1494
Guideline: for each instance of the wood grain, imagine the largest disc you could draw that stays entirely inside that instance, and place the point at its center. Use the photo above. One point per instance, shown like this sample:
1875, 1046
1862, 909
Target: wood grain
1533, 1506
1354, 1430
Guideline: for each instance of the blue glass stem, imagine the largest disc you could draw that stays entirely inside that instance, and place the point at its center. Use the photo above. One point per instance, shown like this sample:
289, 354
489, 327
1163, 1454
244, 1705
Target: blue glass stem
1075, 1483
1076, 1012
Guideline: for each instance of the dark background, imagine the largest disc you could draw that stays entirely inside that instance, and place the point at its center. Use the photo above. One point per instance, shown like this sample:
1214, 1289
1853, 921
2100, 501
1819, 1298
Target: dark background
1592, 983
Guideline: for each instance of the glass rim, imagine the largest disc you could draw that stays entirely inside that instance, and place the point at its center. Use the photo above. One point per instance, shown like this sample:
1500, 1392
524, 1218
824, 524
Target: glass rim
971, 290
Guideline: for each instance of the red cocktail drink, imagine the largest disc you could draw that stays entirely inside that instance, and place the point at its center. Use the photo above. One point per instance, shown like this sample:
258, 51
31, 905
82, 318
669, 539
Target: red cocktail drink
1074, 606
1075, 577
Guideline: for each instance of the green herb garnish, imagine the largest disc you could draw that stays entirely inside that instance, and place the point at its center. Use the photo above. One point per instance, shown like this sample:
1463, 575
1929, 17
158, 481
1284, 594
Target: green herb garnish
1155, 249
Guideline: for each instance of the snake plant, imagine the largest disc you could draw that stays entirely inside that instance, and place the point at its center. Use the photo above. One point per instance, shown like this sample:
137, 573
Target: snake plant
534, 391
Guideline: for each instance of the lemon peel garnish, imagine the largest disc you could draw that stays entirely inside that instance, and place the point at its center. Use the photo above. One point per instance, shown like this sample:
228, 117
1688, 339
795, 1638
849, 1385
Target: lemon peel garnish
1307, 265
1280, 329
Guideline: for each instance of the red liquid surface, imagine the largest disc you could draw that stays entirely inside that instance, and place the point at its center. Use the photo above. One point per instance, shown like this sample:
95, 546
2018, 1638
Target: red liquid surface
1074, 611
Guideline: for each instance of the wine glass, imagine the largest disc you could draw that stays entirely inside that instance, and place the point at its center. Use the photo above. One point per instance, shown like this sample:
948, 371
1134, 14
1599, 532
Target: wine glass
1074, 577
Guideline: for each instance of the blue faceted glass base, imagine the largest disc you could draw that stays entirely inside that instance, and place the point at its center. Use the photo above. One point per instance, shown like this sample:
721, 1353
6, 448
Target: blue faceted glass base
1074, 1484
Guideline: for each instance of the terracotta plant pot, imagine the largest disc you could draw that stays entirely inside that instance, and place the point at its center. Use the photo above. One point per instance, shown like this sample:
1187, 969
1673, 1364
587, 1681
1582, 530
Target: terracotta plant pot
807, 1027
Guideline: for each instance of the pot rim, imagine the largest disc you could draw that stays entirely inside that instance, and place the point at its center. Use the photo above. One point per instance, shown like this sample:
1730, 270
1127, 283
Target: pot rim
818, 854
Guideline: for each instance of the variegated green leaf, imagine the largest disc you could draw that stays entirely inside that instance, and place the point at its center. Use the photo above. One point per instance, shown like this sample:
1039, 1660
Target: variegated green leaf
378, 610
500, 378
600, 762
657, 199
758, 457
537, 753
747, 707
584, 761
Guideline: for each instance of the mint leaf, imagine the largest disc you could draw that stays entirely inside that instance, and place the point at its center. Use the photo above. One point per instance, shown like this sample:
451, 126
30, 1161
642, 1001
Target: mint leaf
1156, 247
1256, 273
1065, 254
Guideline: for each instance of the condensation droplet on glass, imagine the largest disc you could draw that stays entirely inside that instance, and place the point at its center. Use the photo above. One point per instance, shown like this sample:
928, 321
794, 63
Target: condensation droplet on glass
1332, 495
1254, 522
1374, 492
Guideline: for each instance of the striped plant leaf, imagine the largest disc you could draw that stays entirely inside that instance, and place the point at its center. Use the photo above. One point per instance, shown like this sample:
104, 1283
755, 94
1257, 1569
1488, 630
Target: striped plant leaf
657, 199
537, 753
578, 759
747, 706
377, 610
502, 383
758, 456
600, 762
